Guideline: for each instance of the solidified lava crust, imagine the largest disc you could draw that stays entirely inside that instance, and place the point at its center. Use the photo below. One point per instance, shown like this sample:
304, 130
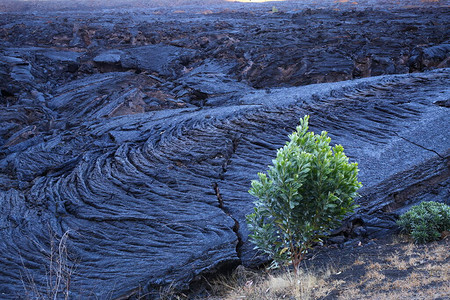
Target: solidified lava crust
118, 126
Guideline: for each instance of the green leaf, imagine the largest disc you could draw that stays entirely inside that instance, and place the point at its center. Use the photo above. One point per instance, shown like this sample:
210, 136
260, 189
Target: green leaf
284, 250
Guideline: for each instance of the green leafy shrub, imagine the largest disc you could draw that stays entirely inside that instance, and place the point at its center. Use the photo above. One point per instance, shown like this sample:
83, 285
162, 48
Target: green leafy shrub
426, 221
308, 191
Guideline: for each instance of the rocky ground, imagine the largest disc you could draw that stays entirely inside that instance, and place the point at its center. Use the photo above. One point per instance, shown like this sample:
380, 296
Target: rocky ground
131, 134
387, 268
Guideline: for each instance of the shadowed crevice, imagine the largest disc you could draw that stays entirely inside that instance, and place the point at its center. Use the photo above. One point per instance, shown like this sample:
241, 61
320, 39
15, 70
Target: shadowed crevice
236, 222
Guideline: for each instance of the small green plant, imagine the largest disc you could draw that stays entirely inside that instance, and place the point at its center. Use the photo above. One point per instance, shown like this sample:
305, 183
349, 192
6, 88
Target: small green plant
426, 221
308, 191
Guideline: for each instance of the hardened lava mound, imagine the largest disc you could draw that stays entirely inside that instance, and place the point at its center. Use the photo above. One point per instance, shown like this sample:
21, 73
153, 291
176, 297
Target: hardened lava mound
128, 138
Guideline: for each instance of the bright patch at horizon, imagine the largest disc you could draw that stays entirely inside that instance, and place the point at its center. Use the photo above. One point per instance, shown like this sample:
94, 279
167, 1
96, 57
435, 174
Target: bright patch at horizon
254, 1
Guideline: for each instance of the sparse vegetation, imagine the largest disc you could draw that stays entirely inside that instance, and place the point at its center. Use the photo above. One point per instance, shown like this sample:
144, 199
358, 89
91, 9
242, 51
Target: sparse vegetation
247, 284
59, 273
389, 270
426, 222
308, 191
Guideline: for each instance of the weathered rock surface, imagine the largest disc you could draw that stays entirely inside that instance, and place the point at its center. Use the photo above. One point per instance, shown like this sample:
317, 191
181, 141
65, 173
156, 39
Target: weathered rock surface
138, 134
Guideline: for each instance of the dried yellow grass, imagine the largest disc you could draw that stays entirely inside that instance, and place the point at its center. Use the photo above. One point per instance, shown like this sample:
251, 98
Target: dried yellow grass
427, 277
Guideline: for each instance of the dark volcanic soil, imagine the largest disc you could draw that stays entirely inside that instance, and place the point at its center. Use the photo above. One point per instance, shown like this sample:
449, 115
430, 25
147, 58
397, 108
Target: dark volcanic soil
136, 131
389, 268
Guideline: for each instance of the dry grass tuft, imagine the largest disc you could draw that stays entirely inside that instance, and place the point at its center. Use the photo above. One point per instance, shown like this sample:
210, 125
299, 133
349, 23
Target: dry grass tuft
59, 272
245, 284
